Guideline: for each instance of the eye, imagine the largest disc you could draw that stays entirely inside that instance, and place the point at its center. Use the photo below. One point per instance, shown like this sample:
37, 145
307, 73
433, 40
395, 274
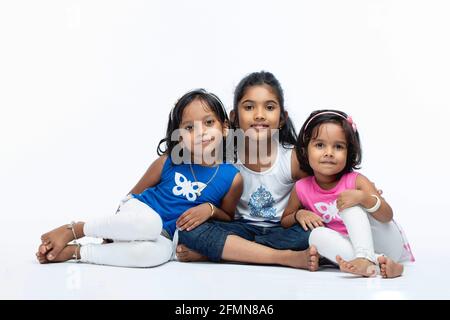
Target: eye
210, 122
188, 128
270, 107
319, 145
247, 107
340, 147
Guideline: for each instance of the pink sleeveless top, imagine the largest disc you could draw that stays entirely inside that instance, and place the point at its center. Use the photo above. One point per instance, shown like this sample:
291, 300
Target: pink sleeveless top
323, 202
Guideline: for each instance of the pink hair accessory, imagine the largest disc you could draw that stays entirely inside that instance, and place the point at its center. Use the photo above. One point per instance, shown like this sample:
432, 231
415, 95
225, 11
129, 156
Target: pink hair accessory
349, 119
353, 124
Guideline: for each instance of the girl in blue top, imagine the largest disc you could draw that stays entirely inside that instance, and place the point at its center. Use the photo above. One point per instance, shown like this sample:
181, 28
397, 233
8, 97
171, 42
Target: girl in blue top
187, 185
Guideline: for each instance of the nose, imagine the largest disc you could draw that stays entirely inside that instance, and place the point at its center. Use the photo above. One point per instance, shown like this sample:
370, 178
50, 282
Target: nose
200, 129
259, 113
329, 152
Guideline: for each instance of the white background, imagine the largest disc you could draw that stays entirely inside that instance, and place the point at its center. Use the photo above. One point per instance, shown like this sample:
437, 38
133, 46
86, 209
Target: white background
86, 88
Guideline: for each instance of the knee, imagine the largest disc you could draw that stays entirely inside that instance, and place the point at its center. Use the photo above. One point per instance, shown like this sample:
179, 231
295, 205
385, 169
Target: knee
146, 226
353, 210
152, 226
316, 235
150, 253
301, 238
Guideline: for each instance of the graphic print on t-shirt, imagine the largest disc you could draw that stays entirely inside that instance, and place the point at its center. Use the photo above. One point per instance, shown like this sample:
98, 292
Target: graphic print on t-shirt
329, 211
261, 204
187, 188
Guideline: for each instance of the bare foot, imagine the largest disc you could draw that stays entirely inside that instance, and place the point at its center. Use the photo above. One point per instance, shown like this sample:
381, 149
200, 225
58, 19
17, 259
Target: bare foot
184, 254
64, 255
359, 266
313, 259
41, 257
307, 259
389, 268
55, 241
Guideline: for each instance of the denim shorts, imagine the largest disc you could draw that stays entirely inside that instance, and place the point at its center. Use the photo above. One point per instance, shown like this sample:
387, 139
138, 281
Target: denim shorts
209, 238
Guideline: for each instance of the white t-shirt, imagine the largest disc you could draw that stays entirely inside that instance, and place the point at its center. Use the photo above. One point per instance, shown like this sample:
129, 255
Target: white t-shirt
266, 193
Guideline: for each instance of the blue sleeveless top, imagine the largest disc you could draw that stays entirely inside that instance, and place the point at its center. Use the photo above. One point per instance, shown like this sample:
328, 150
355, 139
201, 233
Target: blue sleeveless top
175, 193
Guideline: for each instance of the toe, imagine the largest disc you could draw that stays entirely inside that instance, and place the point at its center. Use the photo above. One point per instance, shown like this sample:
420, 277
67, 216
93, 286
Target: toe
53, 253
43, 249
41, 258
371, 271
341, 262
181, 248
181, 255
381, 260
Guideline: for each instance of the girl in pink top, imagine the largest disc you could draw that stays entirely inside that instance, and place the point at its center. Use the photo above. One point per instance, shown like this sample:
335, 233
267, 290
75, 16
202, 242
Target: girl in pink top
351, 223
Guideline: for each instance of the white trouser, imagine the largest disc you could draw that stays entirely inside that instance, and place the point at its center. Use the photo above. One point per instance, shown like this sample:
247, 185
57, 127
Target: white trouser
367, 238
136, 231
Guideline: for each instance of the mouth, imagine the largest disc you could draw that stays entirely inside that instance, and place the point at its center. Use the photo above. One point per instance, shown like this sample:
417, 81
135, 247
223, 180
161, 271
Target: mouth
206, 141
330, 163
260, 126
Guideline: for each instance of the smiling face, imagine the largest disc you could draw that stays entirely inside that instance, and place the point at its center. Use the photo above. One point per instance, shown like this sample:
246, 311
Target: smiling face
201, 130
327, 150
259, 112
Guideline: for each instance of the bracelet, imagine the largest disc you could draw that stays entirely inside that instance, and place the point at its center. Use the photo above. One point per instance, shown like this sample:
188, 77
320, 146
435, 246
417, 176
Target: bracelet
376, 206
212, 208
71, 226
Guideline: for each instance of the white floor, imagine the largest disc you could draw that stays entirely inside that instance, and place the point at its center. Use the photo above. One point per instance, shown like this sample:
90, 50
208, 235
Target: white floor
22, 277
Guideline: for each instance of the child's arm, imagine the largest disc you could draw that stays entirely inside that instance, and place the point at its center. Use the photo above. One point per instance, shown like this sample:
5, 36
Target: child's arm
363, 196
231, 200
151, 177
293, 212
199, 214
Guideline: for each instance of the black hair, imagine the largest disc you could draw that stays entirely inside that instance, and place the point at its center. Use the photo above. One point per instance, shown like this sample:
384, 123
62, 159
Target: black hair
211, 100
309, 131
288, 134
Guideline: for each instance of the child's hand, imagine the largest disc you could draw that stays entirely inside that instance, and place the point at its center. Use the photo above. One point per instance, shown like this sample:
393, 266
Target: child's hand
308, 219
349, 198
194, 217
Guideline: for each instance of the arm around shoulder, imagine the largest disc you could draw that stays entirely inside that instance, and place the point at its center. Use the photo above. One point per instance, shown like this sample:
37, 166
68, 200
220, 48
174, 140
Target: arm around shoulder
231, 199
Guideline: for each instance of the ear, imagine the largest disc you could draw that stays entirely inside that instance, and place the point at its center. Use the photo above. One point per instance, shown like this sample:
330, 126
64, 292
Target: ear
225, 128
304, 151
283, 119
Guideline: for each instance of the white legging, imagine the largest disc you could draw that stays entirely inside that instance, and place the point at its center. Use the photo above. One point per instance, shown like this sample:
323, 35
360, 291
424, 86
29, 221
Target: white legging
136, 231
367, 238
